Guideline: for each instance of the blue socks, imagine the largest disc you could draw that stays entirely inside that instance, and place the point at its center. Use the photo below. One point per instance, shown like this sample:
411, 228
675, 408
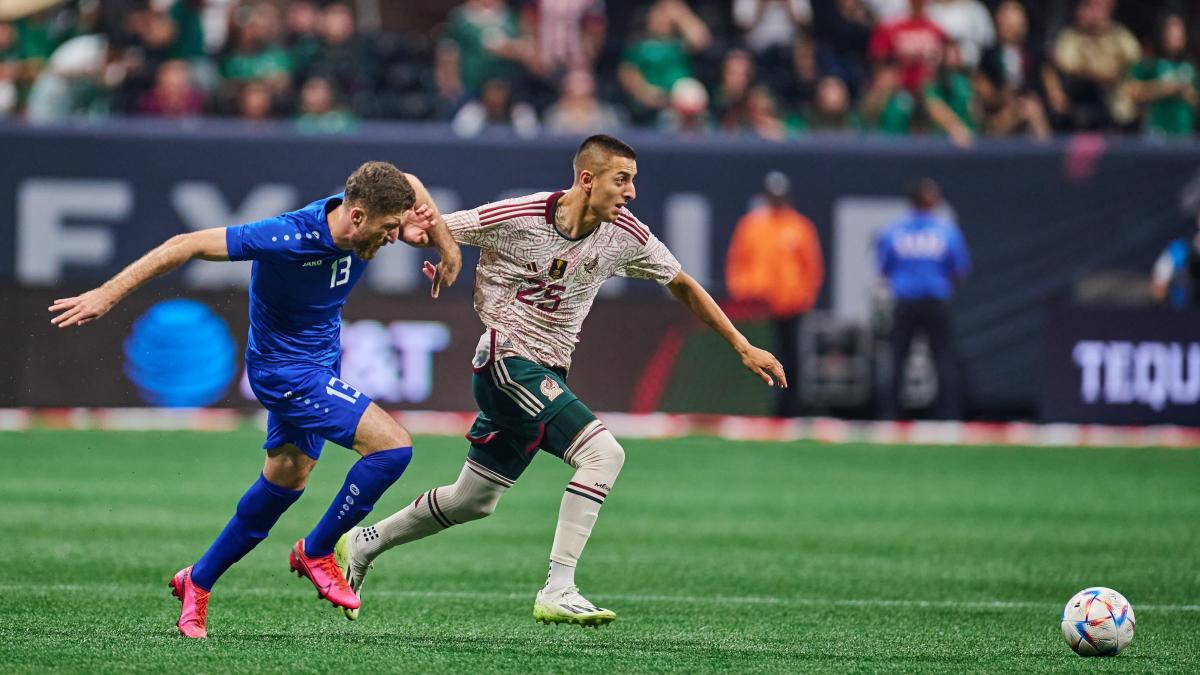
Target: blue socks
365, 484
257, 511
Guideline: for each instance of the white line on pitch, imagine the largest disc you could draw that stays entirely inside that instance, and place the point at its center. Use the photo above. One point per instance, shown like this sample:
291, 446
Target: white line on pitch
686, 599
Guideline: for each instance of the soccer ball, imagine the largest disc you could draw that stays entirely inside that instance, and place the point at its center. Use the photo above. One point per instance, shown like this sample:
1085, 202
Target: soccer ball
1098, 622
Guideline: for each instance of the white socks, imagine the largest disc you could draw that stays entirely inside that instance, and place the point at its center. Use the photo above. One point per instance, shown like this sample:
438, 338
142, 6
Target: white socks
597, 458
473, 496
561, 576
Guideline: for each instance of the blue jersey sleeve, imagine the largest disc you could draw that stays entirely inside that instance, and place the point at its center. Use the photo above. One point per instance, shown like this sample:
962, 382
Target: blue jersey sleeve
279, 239
960, 259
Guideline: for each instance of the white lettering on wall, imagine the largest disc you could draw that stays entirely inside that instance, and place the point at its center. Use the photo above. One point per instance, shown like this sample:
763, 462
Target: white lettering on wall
1154, 374
44, 241
201, 206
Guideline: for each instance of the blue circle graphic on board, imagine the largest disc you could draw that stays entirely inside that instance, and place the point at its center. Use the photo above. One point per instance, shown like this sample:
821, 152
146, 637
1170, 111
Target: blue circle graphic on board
180, 354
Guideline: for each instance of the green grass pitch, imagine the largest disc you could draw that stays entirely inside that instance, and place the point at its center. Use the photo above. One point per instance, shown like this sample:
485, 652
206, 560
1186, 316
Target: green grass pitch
717, 557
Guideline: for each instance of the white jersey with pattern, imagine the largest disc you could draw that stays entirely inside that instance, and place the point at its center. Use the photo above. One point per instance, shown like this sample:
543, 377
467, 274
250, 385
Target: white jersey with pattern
534, 286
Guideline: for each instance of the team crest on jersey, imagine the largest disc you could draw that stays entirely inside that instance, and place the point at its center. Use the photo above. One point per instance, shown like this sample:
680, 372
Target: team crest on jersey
550, 388
590, 265
558, 268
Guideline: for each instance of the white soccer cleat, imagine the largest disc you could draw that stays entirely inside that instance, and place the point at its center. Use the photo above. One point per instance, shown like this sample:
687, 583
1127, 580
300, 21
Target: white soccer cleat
566, 605
352, 566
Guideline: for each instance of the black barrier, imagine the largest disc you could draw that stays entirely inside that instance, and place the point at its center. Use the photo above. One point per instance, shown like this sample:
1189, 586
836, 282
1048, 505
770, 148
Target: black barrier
82, 202
1121, 367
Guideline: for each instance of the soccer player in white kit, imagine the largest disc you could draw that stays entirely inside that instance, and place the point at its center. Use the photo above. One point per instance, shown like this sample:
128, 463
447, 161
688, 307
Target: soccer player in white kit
543, 258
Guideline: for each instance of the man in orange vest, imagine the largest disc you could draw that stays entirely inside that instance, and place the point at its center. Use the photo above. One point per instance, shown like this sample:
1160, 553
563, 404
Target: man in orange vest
775, 258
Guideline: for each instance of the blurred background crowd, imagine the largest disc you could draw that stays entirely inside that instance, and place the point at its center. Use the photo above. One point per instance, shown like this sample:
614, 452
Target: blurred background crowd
769, 68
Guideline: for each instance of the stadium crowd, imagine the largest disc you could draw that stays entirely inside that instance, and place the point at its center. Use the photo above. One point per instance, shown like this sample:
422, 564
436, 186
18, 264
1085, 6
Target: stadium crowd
775, 69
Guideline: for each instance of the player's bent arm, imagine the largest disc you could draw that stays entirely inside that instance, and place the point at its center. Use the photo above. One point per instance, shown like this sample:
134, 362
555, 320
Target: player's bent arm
692, 295
174, 252
439, 234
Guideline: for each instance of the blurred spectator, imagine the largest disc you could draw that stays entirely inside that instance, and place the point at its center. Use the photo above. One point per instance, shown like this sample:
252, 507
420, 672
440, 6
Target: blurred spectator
10, 68
832, 109
495, 109
151, 36
1007, 78
320, 112
72, 81
966, 22
189, 29
737, 76
950, 100
885, 11
842, 29
254, 102
914, 44
1175, 281
483, 42
652, 65
301, 22
1167, 84
756, 114
797, 85
256, 51
567, 35
173, 94
342, 56
688, 112
1093, 57
578, 111
771, 27
887, 107
775, 258
923, 257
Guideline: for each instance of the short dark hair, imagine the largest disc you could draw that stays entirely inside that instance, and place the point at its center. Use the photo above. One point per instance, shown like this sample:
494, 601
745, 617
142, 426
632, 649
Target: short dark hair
380, 189
609, 145
601, 147
923, 192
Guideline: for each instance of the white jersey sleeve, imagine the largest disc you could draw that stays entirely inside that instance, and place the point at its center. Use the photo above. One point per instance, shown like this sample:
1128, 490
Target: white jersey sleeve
467, 228
652, 260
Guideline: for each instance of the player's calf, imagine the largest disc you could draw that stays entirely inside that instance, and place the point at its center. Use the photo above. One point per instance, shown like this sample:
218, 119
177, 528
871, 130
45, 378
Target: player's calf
473, 496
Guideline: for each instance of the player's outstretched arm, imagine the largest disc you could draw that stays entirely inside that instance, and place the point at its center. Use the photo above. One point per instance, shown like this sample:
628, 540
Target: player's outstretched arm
439, 235
759, 361
205, 245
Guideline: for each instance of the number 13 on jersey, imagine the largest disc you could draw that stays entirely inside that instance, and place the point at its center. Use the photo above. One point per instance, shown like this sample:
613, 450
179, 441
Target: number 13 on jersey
341, 272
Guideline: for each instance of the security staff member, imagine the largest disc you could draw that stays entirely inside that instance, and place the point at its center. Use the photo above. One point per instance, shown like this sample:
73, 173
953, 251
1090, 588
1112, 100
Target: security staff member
923, 257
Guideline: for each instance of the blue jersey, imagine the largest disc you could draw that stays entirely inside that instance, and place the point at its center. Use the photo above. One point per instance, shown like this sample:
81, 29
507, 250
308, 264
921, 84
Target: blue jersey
298, 285
922, 256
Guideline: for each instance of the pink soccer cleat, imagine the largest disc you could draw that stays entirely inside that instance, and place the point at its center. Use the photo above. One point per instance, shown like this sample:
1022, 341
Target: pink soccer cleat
193, 617
325, 574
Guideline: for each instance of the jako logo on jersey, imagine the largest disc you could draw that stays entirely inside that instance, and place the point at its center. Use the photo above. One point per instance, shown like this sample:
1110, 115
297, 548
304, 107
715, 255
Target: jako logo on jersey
557, 268
313, 263
550, 388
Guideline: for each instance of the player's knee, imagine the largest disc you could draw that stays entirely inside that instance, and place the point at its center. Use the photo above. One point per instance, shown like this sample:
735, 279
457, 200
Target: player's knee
602, 452
472, 498
288, 467
480, 507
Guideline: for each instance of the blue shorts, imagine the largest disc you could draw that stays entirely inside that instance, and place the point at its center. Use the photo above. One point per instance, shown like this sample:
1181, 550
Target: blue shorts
307, 404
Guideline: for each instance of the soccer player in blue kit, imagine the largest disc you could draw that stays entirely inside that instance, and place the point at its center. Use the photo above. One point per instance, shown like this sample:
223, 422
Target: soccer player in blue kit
305, 264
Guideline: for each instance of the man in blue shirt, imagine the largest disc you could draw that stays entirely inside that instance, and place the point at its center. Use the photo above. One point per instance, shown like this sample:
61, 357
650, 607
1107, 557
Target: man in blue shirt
1176, 279
305, 264
923, 257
